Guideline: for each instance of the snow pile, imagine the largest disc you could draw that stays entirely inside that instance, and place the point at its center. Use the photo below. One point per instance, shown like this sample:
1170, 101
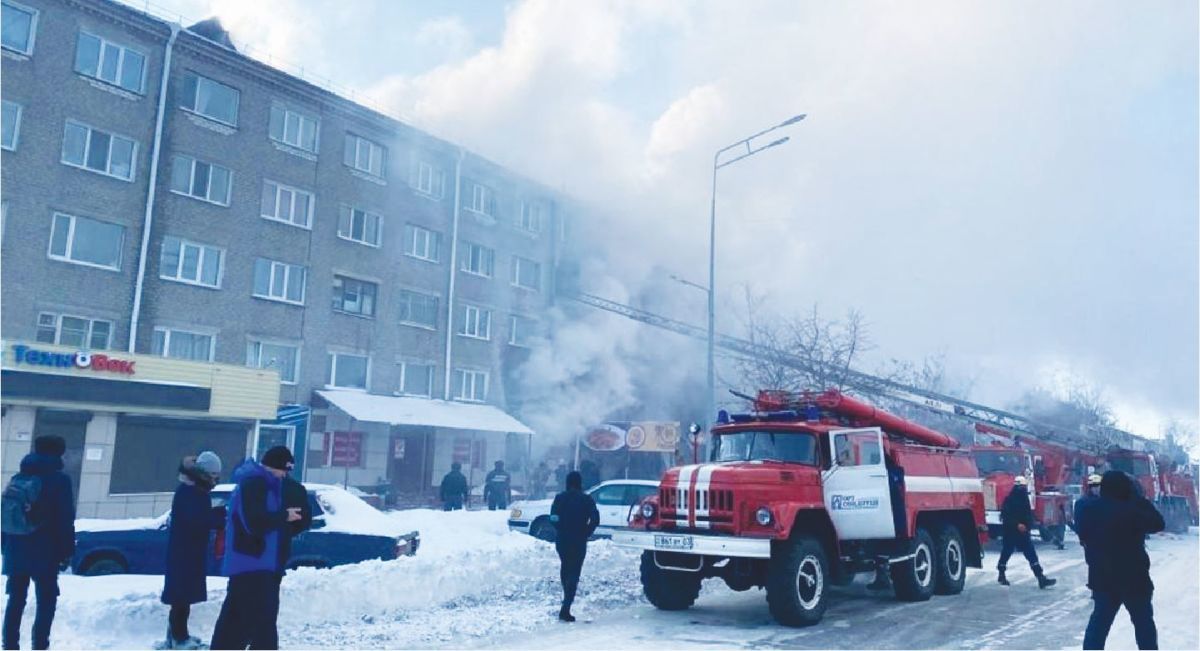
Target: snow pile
125, 524
348, 513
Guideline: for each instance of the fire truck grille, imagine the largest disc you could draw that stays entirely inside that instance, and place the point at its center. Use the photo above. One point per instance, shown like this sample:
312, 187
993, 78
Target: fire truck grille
713, 501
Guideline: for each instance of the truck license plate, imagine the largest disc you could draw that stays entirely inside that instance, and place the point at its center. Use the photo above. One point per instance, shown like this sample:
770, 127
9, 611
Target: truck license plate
672, 542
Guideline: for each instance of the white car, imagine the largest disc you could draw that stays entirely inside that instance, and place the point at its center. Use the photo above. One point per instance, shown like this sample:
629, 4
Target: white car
615, 500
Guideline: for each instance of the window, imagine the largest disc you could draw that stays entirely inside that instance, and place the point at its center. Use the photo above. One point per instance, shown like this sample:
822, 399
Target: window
526, 273
416, 379
478, 260
481, 200
279, 281
98, 151
418, 309
294, 128
80, 332
286, 204
358, 225
422, 243
18, 24
470, 386
364, 155
190, 262
521, 330
86, 241
147, 449
348, 370
11, 113
530, 217
200, 180
209, 98
109, 62
354, 296
281, 357
611, 495
181, 344
428, 180
475, 322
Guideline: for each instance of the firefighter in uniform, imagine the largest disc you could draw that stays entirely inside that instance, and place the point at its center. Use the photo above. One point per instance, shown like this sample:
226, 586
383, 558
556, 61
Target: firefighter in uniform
497, 488
1016, 516
1090, 494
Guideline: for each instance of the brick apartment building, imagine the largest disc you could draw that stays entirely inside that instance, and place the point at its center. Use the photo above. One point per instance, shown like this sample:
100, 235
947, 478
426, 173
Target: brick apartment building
166, 195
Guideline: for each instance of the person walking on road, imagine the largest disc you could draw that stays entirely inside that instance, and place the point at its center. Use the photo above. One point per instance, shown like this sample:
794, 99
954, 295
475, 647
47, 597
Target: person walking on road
1114, 529
256, 523
38, 535
1091, 493
497, 488
1016, 516
192, 518
575, 516
538, 478
454, 488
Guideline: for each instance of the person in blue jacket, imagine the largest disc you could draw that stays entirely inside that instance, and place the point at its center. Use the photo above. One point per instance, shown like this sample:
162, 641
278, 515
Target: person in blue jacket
256, 522
37, 556
193, 517
575, 516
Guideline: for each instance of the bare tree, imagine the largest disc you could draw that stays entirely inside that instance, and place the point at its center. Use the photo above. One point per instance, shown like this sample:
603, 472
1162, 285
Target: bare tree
1076, 406
931, 375
1182, 436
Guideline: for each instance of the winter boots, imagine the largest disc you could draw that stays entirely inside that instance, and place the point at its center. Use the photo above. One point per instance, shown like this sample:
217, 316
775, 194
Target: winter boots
565, 615
1043, 581
1002, 580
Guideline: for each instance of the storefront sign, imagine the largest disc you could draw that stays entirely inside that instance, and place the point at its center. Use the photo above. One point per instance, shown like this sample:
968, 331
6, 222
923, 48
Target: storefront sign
347, 449
398, 449
605, 438
653, 436
82, 360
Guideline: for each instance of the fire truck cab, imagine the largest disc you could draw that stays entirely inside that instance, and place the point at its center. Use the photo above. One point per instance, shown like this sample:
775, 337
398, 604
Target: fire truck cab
803, 494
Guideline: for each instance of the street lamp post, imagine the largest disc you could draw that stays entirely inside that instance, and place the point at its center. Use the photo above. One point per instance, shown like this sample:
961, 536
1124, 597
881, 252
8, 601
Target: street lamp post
751, 150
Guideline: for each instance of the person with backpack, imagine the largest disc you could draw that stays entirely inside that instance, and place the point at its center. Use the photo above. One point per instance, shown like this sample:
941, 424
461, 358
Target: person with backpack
192, 518
38, 537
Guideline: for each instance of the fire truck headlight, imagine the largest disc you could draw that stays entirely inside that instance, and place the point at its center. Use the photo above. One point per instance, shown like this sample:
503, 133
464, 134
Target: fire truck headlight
648, 511
763, 516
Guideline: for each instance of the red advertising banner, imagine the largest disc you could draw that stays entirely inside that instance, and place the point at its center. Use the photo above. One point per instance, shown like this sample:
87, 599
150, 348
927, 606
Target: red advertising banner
347, 449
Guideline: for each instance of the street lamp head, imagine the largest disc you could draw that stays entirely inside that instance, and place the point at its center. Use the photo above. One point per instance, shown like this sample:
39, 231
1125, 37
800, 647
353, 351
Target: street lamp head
776, 143
793, 120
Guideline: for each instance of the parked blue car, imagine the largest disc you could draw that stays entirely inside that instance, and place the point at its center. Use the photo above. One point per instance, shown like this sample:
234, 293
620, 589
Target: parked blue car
345, 530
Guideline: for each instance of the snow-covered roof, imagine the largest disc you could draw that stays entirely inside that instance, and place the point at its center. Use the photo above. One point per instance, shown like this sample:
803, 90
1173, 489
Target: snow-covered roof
397, 410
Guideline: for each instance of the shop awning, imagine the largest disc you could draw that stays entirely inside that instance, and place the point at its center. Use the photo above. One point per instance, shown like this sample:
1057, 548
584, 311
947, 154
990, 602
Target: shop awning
396, 410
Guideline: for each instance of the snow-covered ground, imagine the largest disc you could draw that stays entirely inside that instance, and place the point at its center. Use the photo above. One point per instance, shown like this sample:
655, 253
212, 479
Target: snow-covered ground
474, 584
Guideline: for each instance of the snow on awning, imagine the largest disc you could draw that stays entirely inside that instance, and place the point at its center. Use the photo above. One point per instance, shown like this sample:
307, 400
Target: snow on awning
396, 410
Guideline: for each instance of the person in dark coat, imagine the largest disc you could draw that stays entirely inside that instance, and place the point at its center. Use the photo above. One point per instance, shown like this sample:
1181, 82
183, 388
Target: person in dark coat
497, 487
560, 476
1115, 527
255, 526
538, 479
192, 518
37, 556
454, 488
575, 516
1091, 493
1016, 516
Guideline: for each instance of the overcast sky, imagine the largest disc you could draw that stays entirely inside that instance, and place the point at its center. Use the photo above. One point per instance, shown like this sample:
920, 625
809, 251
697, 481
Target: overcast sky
1012, 183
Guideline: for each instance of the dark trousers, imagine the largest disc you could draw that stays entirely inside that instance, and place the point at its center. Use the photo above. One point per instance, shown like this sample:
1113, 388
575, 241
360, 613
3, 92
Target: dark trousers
177, 621
1022, 542
250, 612
1104, 611
497, 501
571, 555
453, 504
46, 593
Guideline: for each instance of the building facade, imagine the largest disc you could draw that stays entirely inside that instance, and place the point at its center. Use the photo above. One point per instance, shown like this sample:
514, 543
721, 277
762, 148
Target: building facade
165, 195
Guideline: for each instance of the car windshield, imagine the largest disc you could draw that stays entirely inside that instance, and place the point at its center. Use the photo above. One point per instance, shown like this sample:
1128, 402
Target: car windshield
990, 461
791, 447
1131, 465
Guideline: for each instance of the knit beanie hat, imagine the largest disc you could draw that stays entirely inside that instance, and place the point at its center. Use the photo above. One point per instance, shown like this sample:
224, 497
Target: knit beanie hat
209, 462
279, 458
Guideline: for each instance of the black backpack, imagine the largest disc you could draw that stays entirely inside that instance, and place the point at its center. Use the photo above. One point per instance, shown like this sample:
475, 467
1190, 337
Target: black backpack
17, 517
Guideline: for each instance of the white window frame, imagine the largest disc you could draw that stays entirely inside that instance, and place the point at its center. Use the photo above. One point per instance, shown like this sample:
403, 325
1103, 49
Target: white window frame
513, 321
480, 195
417, 324
359, 141
526, 217
195, 100
192, 181
339, 308
346, 210
254, 352
404, 373
204, 255
71, 243
16, 135
429, 181
87, 150
33, 21
432, 240
301, 117
461, 374
291, 435
288, 270
472, 317
517, 264
58, 317
167, 330
107, 43
466, 262
332, 356
279, 190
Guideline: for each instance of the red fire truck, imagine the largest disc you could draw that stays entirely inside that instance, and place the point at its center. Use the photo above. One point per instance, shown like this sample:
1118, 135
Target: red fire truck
1167, 483
805, 492
1002, 455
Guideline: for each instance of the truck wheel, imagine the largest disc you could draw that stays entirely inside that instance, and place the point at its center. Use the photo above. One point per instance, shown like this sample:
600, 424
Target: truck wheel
951, 573
668, 589
913, 578
104, 566
542, 529
797, 578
